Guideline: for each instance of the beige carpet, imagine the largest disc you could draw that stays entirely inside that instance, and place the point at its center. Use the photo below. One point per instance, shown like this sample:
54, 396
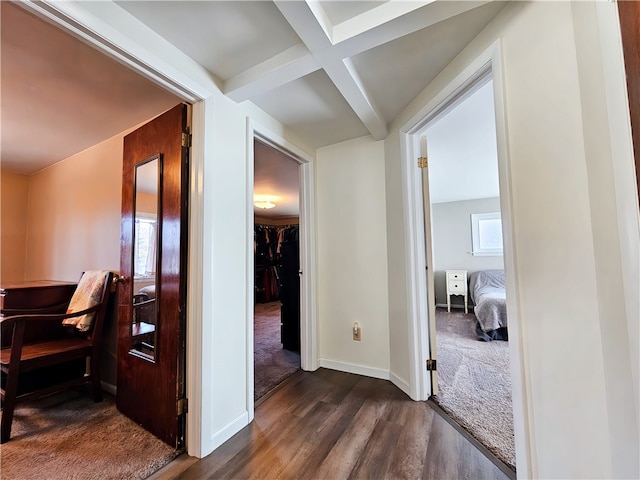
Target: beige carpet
69, 436
475, 382
272, 363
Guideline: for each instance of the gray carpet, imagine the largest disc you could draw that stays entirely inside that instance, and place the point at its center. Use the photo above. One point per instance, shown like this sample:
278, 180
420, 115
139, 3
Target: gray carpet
475, 382
69, 436
273, 364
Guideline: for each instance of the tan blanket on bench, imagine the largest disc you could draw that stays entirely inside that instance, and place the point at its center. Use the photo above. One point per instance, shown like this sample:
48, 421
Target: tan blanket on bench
86, 296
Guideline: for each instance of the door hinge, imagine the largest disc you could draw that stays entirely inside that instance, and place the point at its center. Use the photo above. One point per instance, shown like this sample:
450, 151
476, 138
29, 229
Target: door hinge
431, 365
422, 162
183, 406
186, 139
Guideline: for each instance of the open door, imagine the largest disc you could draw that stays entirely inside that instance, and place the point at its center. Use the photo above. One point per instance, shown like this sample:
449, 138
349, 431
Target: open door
152, 292
423, 163
629, 13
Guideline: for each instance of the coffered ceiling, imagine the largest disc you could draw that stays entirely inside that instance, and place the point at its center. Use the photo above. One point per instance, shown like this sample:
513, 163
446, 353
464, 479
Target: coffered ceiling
328, 70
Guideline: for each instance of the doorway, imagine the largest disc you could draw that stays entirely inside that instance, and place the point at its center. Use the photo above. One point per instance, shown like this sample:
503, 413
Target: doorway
152, 298
465, 238
276, 229
422, 331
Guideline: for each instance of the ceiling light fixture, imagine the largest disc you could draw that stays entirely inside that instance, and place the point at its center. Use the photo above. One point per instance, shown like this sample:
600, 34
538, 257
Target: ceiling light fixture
264, 202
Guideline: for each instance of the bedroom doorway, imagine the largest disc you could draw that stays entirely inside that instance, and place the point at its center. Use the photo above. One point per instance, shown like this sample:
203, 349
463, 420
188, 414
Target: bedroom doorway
463, 234
276, 227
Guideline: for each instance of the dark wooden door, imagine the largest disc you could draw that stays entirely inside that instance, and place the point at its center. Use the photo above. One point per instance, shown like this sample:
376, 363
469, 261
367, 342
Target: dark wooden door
290, 290
152, 293
629, 12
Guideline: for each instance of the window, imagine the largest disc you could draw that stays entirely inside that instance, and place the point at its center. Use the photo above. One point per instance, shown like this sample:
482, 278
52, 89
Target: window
486, 233
145, 241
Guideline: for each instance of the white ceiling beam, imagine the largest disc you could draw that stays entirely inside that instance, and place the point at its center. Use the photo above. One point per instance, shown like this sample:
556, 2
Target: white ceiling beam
420, 18
287, 66
373, 18
332, 46
345, 77
302, 18
304, 22
321, 17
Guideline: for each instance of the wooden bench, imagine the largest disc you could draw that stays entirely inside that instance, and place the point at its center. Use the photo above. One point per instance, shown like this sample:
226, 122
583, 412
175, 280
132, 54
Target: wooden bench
20, 358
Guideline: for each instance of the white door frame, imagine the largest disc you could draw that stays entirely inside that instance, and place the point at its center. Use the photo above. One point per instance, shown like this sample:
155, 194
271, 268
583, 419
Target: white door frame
191, 85
308, 344
190, 82
487, 64
420, 238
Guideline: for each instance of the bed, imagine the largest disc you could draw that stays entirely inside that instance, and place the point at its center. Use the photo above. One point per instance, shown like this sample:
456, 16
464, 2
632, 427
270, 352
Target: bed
487, 291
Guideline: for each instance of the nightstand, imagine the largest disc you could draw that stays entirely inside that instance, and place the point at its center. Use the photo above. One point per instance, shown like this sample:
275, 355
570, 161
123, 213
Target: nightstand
456, 285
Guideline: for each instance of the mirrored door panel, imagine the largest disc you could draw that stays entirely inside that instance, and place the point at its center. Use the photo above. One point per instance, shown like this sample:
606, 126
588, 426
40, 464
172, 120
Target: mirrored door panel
146, 258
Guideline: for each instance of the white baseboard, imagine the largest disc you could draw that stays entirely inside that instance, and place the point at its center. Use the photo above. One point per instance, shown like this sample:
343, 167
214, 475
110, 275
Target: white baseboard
225, 433
108, 387
401, 383
353, 368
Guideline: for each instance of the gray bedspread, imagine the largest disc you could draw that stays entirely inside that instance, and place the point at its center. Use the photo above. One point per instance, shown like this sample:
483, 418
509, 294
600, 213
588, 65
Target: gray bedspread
487, 291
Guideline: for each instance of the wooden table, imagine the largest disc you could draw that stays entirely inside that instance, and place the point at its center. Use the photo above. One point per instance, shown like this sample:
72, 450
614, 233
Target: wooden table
35, 296
42, 296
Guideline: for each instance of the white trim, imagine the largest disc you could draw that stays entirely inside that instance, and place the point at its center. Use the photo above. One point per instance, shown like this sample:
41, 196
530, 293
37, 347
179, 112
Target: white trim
280, 143
401, 383
194, 282
624, 176
308, 329
419, 349
229, 430
131, 43
308, 299
354, 368
415, 249
363, 370
487, 65
250, 379
415, 259
524, 434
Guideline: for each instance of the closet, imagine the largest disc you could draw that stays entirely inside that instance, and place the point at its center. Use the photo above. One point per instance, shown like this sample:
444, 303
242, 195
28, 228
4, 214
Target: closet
277, 266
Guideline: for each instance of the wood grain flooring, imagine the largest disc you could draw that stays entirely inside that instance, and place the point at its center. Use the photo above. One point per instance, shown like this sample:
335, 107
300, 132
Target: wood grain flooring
334, 425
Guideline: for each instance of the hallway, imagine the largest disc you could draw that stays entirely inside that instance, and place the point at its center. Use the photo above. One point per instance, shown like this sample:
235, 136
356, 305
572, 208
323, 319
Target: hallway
334, 425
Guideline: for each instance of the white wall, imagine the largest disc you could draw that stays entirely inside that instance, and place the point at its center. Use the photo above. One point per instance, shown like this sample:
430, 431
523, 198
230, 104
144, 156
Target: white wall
622, 172
352, 257
619, 325
571, 400
224, 329
225, 198
399, 336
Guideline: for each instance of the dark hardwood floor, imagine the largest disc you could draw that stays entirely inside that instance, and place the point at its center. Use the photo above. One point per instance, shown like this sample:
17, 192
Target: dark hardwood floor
333, 425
